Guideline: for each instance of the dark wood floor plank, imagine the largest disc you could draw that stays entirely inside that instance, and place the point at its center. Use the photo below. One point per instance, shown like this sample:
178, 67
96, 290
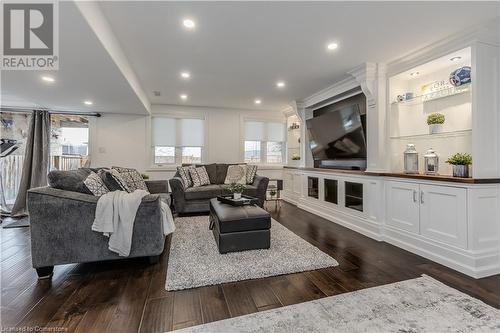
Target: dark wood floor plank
239, 300
325, 283
262, 295
128, 313
187, 309
158, 315
213, 304
285, 291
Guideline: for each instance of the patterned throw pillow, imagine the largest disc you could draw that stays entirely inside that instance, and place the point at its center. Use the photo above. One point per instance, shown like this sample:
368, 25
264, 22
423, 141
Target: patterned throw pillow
185, 176
113, 180
251, 172
133, 178
199, 176
95, 184
236, 174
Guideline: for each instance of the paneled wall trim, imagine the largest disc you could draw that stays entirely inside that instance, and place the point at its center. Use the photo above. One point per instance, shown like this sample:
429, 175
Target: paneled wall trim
455, 224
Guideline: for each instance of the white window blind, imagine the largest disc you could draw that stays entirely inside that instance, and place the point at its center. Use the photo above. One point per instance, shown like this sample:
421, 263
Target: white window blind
264, 131
164, 131
177, 132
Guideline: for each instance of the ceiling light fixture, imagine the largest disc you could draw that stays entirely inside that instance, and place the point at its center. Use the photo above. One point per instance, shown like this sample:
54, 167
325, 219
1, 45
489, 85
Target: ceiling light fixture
455, 58
87, 102
189, 24
414, 73
257, 101
48, 79
185, 75
332, 46
183, 96
280, 84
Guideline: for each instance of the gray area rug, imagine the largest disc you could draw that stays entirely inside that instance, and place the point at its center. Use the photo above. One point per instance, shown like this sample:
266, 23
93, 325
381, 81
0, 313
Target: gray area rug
195, 261
412, 306
9, 222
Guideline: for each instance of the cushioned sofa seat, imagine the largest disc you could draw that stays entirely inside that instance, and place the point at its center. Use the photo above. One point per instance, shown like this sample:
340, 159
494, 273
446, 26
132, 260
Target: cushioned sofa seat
202, 192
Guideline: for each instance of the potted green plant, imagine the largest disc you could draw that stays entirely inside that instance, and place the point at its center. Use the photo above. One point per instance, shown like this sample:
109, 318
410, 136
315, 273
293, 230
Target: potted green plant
144, 176
236, 189
435, 121
461, 164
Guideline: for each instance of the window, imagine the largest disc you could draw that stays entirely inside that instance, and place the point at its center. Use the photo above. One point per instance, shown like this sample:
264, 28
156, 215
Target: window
69, 142
177, 140
264, 142
252, 151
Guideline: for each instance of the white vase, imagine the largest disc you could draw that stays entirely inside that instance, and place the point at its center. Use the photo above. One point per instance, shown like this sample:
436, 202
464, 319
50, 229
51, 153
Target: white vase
435, 128
236, 196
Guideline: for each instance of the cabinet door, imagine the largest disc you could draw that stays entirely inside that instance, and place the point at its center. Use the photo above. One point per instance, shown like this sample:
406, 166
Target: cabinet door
288, 181
402, 206
297, 184
443, 214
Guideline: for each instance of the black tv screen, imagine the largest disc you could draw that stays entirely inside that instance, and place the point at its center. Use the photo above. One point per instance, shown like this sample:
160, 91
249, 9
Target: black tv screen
338, 134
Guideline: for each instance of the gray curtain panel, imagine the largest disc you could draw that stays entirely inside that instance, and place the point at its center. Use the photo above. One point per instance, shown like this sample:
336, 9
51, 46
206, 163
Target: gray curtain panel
36, 159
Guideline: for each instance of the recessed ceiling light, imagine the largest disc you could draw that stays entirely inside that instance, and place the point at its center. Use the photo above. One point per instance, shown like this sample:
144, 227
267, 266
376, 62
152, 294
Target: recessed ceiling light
189, 24
183, 96
87, 102
257, 101
280, 84
185, 75
48, 79
414, 73
332, 46
455, 58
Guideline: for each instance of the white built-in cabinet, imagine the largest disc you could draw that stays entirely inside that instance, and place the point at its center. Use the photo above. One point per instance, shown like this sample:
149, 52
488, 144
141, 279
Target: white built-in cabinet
433, 211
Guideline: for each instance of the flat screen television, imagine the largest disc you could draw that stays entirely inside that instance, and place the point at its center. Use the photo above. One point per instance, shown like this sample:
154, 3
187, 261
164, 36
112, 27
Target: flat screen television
337, 138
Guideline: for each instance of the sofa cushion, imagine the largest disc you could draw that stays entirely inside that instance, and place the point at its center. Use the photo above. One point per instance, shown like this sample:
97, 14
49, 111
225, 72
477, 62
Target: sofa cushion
132, 177
71, 180
236, 174
95, 184
202, 192
250, 190
212, 172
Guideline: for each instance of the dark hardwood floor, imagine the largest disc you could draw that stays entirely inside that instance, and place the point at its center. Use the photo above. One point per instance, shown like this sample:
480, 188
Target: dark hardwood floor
130, 296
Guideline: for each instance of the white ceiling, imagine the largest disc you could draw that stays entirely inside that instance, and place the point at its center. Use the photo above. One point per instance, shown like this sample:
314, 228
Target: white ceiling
237, 52
86, 72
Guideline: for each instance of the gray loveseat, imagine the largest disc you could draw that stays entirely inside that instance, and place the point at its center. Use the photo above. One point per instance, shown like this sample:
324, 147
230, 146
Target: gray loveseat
61, 228
197, 199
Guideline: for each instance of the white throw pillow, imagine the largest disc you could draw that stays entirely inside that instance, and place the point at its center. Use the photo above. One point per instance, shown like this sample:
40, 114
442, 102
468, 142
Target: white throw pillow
236, 174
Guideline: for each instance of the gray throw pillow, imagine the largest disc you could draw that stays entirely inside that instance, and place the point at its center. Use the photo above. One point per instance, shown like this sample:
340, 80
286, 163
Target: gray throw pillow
113, 180
251, 172
95, 184
71, 180
199, 176
132, 177
185, 176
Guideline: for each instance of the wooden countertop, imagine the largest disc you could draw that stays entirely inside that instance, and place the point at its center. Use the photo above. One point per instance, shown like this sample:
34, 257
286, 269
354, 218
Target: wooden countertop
441, 178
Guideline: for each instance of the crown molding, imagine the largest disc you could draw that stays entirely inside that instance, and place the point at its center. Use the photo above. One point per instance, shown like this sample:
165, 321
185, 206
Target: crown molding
335, 89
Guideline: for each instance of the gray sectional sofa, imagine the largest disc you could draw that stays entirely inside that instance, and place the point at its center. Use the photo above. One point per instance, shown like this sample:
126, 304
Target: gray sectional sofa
61, 223
197, 199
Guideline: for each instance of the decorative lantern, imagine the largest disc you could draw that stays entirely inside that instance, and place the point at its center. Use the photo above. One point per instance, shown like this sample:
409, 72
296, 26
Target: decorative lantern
410, 159
431, 162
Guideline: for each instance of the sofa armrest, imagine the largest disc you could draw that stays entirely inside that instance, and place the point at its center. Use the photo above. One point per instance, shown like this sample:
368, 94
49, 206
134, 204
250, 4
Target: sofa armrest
261, 183
157, 186
177, 187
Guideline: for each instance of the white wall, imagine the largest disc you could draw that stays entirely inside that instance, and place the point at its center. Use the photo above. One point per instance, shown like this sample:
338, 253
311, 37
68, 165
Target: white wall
124, 140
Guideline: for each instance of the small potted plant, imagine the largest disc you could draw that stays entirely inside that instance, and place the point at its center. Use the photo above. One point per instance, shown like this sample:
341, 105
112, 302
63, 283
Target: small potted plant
435, 122
236, 189
461, 164
144, 176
